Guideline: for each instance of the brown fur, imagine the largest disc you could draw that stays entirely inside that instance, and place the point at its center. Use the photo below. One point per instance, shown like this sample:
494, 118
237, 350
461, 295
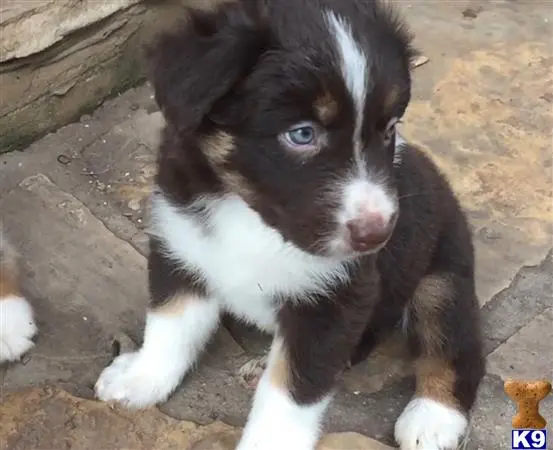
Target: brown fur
391, 97
431, 297
235, 182
8, 283
217, 147
9, 272
436, 380
326, 108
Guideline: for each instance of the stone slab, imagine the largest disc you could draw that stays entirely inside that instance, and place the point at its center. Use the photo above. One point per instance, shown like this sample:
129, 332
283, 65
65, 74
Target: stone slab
84, 282
30, 27
51, 418
527, 297
45, 90
528, 354
60, 59
482, 108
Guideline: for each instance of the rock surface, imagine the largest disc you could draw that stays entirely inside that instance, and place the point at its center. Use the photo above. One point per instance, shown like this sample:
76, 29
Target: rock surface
51, 418
61, 58
31, 27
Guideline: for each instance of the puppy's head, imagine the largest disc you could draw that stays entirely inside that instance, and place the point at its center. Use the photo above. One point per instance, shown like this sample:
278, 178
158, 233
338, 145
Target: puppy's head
293, 106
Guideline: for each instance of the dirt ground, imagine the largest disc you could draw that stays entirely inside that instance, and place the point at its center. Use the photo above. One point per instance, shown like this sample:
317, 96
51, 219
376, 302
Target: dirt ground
76, 203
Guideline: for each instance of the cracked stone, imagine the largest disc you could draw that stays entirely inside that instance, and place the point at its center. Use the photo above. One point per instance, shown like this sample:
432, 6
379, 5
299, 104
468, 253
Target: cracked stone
52, 418
528, 354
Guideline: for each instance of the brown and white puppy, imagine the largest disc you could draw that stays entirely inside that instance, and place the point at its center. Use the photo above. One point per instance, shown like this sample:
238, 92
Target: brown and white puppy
17, 326
285, 197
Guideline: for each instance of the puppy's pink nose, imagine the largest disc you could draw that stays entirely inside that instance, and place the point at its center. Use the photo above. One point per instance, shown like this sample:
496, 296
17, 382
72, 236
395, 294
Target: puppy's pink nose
369, 230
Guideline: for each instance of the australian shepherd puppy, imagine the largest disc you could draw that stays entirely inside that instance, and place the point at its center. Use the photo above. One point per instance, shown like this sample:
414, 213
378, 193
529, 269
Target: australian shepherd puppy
285, 197
17, 326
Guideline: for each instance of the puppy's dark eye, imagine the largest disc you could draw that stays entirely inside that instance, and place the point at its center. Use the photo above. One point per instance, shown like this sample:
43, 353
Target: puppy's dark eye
304, 135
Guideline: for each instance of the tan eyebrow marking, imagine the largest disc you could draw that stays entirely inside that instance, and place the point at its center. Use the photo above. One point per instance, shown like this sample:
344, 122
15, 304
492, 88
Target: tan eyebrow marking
326, 107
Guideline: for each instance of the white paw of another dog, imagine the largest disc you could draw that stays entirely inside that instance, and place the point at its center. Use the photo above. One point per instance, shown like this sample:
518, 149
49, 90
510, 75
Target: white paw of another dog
426, 424
17, 328
135, 381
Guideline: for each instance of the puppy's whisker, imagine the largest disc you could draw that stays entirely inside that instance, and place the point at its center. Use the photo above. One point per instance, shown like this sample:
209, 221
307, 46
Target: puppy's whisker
416, 194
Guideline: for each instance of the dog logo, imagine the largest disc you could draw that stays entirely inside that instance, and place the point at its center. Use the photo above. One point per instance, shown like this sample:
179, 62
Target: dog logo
528, 424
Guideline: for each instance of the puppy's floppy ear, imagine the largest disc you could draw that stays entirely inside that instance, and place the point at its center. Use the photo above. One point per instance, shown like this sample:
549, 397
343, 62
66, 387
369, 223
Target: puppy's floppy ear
193, 67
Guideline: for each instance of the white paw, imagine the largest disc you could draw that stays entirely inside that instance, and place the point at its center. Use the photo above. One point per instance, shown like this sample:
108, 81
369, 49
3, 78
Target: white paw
426, 424
135, 381
17, 328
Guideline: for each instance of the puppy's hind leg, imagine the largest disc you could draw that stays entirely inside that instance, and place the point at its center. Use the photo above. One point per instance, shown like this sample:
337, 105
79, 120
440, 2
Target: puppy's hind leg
443, 332
17, 326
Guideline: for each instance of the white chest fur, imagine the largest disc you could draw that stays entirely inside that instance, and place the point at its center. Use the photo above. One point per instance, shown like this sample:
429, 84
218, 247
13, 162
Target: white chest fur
247, 265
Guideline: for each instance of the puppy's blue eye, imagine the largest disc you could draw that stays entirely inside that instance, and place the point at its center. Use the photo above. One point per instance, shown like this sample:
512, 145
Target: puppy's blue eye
304, 135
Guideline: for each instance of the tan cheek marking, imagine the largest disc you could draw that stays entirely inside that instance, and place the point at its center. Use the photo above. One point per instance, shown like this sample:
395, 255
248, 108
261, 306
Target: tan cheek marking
326, 108
436, 380
217, 147
431, 297
234, 182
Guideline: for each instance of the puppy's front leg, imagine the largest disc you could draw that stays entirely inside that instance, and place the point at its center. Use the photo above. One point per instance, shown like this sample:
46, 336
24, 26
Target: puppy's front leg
179, 322
310, 349
278, 419
172, 342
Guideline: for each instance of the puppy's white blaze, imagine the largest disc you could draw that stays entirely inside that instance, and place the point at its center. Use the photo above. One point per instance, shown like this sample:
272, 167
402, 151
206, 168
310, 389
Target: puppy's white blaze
362, 195
354, 68
399, 148
17, 327
172, 343
353, 60
277, 422
426, 424
247, 263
